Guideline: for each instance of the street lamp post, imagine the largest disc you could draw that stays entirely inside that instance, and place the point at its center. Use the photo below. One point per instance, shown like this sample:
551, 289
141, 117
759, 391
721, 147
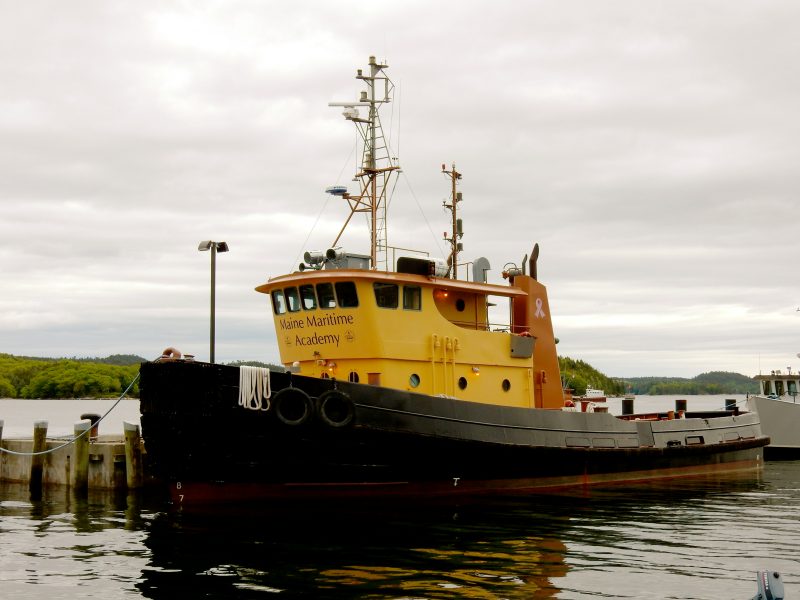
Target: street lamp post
214, 247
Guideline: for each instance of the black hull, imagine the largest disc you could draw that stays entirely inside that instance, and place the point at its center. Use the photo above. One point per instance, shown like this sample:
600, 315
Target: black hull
205, 446
781, 453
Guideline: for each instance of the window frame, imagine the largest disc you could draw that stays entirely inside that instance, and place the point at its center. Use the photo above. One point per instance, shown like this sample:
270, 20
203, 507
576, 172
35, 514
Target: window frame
328, 286
288, 293
313, 297
278, 306
378, 287
418, 298
343, 292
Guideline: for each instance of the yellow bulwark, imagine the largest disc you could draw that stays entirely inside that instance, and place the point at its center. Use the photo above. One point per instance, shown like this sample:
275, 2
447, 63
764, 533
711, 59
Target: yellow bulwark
423, 334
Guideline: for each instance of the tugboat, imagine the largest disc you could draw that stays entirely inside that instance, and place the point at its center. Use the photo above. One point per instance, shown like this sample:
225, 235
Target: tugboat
397, 381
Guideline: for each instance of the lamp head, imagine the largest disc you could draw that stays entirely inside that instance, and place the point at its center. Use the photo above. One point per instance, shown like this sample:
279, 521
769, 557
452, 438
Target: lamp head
209, 244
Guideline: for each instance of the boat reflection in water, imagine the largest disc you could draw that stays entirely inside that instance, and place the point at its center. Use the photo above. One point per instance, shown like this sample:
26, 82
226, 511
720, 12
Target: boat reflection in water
689, 538
502, 549
619, 540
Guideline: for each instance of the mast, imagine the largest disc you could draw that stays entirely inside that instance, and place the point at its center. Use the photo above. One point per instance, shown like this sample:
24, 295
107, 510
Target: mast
455, 198
377, 165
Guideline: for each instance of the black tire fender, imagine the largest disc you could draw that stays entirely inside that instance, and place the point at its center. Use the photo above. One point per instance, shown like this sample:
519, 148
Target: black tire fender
293, 406
336, 409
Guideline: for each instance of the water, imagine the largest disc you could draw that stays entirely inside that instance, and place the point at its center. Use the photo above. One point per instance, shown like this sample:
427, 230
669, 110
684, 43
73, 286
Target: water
61, 415
689, 539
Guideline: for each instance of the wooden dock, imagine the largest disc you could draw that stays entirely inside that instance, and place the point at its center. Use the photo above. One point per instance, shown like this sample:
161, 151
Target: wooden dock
85, 461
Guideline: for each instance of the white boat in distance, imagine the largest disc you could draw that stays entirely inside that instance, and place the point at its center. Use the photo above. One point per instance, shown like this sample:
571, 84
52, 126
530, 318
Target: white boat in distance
592, 395
778, 407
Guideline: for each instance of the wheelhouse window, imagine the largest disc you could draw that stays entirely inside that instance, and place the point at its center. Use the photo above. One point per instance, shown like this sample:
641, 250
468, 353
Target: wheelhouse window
307, 297
346, 294
386, 294
278, 302
325, 295
412, 297
292, 299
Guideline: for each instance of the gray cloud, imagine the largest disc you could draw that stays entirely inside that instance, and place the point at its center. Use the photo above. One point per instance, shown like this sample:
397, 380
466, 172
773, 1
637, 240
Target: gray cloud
649, 147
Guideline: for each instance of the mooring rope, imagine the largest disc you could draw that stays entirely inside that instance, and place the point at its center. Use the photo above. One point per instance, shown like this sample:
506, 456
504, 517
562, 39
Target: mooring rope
77, 437
254, 388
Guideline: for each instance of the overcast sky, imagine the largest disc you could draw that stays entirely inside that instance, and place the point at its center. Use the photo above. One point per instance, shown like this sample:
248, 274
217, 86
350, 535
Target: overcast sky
650, 148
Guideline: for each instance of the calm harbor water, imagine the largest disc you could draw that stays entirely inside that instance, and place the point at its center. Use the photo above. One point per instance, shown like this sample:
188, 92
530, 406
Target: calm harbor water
61, 415
690, 539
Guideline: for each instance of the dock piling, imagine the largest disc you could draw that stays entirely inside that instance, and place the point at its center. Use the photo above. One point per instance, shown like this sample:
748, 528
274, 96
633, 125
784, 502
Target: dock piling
37, 460
83, 463
133, 455
81, 472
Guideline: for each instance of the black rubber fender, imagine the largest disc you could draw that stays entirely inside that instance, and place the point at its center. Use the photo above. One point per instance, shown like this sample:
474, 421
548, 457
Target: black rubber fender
293, 406
336, 409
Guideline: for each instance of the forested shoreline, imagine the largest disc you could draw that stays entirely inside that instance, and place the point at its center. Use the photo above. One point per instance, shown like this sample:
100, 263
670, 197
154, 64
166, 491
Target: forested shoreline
36, 377
713, 382
578, 375
33, 377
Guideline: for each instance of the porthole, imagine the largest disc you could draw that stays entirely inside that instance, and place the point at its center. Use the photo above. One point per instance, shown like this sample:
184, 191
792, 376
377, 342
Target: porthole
353, 377
460, 305
506, 385
462, 383
413, 380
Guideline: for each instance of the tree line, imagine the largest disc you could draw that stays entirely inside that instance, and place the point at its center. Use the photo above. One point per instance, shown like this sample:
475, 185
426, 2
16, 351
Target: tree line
106, 377
33, 377
713, 382
29, 377
578, 375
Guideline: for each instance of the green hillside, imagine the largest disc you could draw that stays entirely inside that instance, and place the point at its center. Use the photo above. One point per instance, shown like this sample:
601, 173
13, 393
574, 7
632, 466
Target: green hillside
101, 377
256, 363
578, 375
713, 382
27, 377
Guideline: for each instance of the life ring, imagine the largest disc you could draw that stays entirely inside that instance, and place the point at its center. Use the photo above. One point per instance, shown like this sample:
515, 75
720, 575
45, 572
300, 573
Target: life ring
336, 409
293, 406
172, 353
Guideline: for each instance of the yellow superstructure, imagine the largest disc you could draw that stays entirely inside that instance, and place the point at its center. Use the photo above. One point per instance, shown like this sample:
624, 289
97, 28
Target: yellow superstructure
425, 334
